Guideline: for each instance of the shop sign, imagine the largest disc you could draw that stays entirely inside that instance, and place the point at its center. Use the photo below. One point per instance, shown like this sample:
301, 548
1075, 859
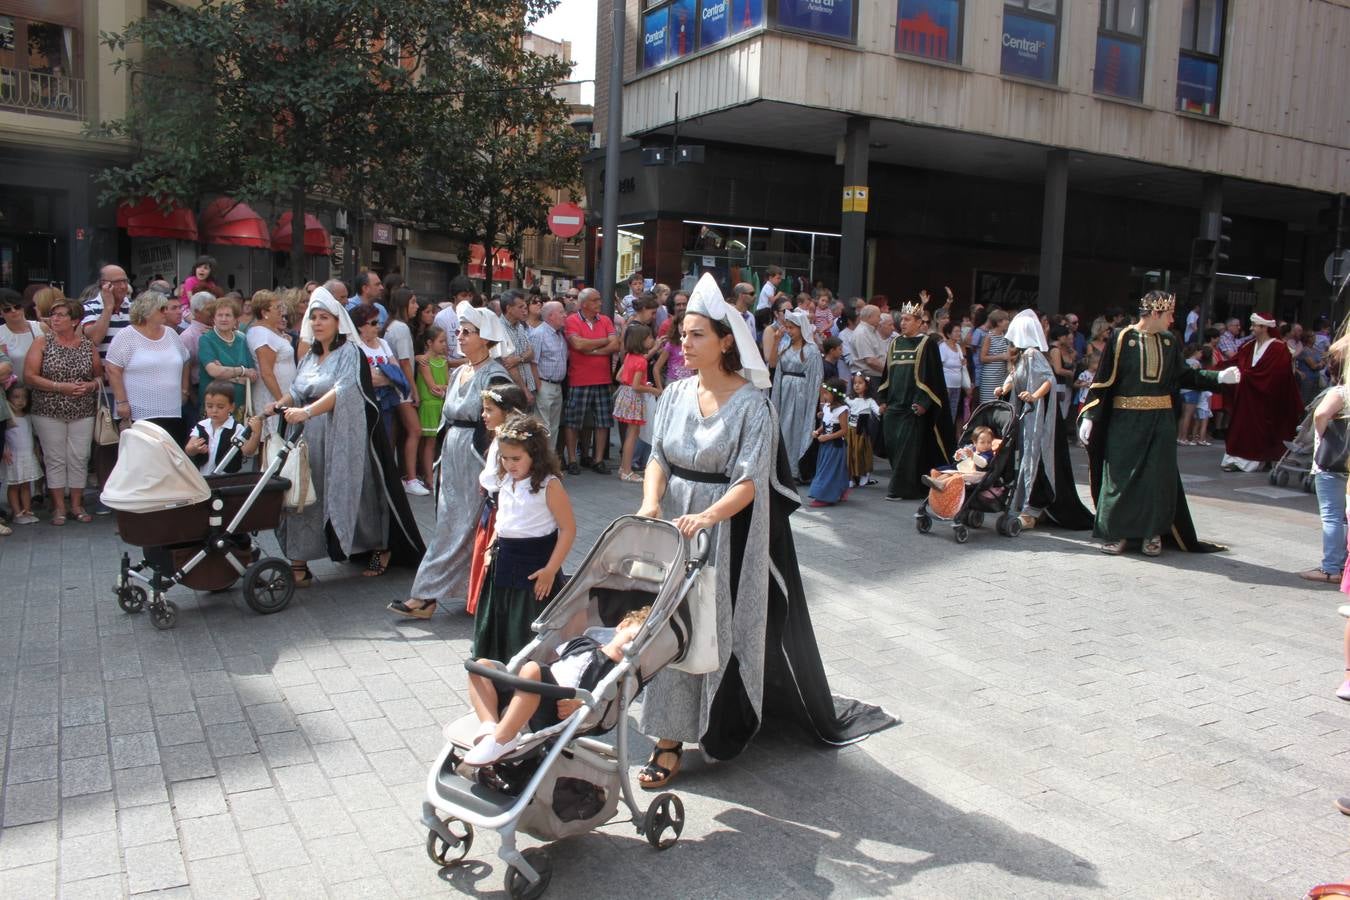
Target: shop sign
1006, 290
152, 257
654, 38
339, 251
828, 18
382, 233
1028, 47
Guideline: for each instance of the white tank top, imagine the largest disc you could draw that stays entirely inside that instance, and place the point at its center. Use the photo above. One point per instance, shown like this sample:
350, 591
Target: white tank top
522, 514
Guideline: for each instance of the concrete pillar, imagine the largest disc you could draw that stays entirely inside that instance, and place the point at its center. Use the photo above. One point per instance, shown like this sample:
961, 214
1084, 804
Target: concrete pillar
1052, 229
1211, 213
853, 240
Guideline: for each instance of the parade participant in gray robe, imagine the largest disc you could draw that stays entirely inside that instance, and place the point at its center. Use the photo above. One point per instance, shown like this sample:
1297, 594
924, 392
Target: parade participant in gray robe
717, 463
444, 572
1031, 383
796, 388
355, 513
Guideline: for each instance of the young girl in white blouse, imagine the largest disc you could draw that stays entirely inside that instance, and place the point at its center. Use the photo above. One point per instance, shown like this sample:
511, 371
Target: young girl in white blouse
535, 530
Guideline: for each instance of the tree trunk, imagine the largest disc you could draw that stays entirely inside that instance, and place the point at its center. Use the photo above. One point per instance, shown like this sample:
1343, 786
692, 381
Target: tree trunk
298, 237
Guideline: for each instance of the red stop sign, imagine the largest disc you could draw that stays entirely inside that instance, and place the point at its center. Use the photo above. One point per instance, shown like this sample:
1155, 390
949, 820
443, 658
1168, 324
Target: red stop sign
566, 220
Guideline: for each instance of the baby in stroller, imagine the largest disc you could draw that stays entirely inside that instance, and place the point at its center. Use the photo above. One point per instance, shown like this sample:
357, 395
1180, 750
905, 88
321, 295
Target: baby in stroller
971, 462
582, 662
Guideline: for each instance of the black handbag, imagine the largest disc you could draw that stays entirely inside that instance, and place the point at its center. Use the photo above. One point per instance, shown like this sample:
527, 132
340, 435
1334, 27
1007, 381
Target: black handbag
1333, 448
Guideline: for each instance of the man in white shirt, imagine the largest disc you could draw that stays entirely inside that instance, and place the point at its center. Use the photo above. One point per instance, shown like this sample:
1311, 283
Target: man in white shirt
773, 276
461, 290
869, 349
550, 353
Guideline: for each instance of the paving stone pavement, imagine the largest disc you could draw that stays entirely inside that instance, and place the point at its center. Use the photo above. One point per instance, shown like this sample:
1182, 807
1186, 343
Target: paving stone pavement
1074, 725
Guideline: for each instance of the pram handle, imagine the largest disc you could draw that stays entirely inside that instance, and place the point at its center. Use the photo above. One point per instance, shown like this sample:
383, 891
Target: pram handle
296, 429
702, 544
515, 682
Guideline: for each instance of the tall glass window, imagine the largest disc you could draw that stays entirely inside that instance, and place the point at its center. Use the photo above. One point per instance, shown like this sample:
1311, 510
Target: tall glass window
672, 29
930, 29
1201, 63
1122, 37
1031, 39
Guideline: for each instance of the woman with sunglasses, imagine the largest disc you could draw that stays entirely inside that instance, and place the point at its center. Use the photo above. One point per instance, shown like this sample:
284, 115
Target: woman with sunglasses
148, 368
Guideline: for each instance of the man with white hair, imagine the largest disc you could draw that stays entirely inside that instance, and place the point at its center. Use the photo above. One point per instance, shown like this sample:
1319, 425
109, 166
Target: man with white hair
1267, 404
550, 354
869, 349
200, 305
338, 288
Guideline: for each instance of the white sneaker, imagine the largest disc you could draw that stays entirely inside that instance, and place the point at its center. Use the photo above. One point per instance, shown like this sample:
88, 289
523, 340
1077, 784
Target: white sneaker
415, 487
26, 519
489, 751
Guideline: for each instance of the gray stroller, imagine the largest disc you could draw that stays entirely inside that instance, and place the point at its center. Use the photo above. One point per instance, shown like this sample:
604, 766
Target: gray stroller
561, 781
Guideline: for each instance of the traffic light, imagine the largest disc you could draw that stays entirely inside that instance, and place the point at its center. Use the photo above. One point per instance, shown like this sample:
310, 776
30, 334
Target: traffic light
1200, 275
1223, 243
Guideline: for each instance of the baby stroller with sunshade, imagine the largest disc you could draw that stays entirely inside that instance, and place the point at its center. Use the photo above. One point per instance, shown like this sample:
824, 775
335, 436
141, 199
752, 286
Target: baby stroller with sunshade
966, 505
561, 781
195, 530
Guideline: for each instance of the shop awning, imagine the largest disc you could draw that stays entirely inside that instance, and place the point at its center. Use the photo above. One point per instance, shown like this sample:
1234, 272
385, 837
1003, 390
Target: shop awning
234, 224
146, 219
503, 266
317, 242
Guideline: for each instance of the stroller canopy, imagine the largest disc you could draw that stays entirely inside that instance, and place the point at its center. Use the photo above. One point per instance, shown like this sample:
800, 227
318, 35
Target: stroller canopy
152, 473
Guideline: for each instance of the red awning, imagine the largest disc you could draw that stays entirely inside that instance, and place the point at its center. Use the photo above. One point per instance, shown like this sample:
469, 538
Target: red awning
316, 238
146, 219
503, 266
234, 224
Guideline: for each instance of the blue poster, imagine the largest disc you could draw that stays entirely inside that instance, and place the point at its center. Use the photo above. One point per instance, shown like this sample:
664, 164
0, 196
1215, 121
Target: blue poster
1119, 71
1029, 47
929, 28
828, 18
654, 38
746, 14
714, 21
683, 29
1198, 86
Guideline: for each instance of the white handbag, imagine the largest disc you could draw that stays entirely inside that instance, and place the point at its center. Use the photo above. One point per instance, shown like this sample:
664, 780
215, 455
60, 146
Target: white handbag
295, 469
700, 654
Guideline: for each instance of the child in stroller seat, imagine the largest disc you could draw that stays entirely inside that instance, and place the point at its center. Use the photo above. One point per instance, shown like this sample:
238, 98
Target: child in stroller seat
582, 662
971, 461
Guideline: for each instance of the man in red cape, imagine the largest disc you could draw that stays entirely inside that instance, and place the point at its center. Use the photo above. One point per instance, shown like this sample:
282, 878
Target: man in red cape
1267, 405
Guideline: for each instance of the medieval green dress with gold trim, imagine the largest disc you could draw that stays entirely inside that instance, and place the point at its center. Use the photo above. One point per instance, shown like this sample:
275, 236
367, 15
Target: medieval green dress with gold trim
917, 424
1133, 447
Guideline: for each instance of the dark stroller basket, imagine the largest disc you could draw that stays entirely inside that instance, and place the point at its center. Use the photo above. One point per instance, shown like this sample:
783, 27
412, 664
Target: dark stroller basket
993, 492
204, 544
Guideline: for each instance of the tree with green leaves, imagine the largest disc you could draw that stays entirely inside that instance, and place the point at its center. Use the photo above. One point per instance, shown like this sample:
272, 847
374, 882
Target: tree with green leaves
284, 101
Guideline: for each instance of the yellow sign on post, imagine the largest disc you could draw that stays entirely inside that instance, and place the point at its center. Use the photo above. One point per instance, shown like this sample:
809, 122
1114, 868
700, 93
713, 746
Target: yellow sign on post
855, 198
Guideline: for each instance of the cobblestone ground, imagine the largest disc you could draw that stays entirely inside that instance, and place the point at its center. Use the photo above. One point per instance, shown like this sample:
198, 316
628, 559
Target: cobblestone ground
1074, 725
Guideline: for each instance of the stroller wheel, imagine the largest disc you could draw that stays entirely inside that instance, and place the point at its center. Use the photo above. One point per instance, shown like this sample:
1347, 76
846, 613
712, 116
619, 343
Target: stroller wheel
924, 524
1001, 524
961, 533
269, 585
518, 887
665, 814
165, 616
975, 519
443, 854
131, 598
1281, 477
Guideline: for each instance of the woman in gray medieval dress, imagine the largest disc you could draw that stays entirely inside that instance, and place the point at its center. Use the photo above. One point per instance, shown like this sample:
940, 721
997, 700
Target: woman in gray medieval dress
444, 572
796, 387
356, 511
717, 464
1031, 383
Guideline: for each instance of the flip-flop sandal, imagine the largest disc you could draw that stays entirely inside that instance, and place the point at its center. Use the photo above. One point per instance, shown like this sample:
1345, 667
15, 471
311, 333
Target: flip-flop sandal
83, 517
375, 568
659, 776
58, 521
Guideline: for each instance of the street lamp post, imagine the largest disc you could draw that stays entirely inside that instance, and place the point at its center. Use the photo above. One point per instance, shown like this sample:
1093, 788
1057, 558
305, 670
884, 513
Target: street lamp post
609, 248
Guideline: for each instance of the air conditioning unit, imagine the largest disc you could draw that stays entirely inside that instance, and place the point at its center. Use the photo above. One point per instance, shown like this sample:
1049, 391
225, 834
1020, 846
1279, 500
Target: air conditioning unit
595, 140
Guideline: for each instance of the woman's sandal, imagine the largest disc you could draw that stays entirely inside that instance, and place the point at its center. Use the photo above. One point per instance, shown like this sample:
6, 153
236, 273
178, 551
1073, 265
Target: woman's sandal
379, 561
302, 582
657, 776
426, 610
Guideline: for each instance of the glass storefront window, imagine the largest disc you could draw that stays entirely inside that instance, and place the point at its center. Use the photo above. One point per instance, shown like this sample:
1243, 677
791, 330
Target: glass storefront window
673, 29
1119, 71
1200, 67
1031, 39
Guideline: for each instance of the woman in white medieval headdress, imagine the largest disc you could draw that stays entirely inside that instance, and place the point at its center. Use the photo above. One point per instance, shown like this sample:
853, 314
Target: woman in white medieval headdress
717, 463
444, 573
796, 387
360, 511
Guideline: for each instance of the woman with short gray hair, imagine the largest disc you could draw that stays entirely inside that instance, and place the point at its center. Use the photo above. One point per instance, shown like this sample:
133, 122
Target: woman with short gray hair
147, 368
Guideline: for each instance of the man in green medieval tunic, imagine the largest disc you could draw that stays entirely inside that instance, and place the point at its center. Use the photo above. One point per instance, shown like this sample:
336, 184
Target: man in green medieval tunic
916, 423
1129, 426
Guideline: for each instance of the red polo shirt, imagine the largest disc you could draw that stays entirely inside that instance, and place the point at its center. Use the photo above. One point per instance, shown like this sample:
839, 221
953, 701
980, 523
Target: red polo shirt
582, 368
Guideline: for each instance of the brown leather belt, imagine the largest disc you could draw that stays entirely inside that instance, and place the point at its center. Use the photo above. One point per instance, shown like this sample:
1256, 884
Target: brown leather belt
1155, 402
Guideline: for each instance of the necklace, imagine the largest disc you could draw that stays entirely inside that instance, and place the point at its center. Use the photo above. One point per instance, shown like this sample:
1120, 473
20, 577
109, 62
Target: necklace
228, 340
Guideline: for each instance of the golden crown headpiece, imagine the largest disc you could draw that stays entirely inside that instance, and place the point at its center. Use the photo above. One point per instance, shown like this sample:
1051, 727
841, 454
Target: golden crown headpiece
1158, 301
912, 308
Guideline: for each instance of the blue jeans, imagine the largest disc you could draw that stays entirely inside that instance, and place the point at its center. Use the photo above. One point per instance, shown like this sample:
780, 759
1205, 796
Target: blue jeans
1331, 503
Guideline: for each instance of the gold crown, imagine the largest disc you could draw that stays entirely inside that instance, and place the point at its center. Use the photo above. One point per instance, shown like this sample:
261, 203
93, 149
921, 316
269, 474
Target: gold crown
1158, 301
913, 308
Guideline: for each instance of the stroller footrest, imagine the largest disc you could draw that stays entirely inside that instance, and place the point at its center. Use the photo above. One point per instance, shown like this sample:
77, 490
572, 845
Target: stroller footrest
454, 788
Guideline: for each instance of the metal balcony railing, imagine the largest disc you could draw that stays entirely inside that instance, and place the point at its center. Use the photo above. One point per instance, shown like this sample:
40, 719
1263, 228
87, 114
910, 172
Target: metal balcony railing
41, 94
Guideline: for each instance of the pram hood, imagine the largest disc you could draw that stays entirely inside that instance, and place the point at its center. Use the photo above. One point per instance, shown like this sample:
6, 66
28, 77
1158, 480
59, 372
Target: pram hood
152, 473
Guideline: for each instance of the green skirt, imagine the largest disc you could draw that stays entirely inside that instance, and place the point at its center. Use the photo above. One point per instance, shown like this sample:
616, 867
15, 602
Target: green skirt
501, 625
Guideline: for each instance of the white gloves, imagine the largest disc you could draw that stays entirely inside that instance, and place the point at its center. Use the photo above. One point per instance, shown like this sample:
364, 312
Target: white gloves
1230, 375
1085, 430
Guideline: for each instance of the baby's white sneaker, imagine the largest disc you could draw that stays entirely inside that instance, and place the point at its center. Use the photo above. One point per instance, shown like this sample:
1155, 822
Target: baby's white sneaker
489, 751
